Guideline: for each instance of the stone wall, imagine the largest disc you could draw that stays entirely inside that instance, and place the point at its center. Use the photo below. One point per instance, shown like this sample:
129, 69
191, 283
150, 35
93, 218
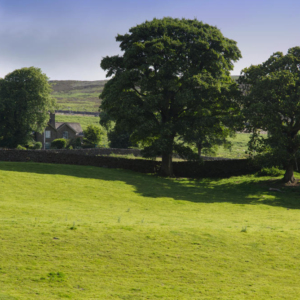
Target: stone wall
44, 156
224, 168
98, 151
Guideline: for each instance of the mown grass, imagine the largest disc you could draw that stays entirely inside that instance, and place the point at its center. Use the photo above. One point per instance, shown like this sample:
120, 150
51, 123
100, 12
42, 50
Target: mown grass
95, 233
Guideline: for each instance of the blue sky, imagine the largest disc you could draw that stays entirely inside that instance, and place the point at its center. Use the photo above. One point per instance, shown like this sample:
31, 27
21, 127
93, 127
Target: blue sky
68, 38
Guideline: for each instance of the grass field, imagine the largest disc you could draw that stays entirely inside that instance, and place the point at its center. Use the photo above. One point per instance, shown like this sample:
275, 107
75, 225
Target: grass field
80, 95
77, 95
74, 232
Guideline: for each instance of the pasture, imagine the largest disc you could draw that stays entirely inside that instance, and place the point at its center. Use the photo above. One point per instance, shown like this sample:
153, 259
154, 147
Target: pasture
74, 232
77, 95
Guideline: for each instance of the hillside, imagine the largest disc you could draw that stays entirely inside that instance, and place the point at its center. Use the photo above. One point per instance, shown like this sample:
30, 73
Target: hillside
80, 95
77, 95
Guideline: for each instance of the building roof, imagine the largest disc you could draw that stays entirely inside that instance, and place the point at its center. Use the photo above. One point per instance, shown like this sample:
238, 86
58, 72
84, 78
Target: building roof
76, 127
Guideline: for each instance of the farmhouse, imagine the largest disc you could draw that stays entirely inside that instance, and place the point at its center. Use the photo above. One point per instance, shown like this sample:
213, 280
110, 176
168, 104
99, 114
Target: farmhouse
58, 130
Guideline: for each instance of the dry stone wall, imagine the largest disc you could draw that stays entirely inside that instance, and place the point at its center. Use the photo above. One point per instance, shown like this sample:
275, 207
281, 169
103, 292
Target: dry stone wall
224, 168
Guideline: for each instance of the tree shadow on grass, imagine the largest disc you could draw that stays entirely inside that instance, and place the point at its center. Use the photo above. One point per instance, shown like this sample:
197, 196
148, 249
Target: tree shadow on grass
236, 190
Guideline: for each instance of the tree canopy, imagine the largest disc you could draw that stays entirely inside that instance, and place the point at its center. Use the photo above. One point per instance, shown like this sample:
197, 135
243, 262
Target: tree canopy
271, 102
172, 73
24, 105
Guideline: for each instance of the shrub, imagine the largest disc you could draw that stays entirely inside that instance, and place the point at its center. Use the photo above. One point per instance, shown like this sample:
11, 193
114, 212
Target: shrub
19, 147
59, 143
273, 171
37, 145
92, 135
34, 145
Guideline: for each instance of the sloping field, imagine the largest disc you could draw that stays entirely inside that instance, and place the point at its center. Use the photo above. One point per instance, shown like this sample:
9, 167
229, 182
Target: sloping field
80, 95
93, 233
77, 95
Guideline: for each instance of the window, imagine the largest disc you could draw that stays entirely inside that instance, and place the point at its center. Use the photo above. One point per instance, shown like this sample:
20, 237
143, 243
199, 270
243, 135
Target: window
65, 135
47, 145
48, 134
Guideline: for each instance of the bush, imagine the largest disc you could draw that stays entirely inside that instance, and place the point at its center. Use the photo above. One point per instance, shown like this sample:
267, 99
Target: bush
37, 145
34, 145
273, 171
75, 143
59, 144
19, 147
92, 135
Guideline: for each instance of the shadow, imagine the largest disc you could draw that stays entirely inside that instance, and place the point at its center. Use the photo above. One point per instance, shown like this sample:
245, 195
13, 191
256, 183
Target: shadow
248, 190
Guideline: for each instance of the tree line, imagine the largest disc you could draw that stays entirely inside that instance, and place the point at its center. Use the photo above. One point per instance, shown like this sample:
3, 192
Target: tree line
171, 91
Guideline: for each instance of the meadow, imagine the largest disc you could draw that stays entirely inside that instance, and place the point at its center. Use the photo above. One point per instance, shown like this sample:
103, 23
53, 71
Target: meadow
75, 232
77, 95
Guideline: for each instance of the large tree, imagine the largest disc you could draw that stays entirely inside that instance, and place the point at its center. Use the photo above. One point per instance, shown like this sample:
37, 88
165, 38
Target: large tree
25, 101
170, 72
271, 102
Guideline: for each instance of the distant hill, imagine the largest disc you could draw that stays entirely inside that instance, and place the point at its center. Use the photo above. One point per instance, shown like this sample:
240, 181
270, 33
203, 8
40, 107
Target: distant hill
81, 95
77, 95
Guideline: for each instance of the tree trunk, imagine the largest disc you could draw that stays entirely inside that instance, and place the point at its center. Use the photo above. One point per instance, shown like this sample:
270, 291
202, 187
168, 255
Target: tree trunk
289, 173
166, 165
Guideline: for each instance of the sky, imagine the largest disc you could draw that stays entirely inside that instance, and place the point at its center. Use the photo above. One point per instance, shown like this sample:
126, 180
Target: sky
67, 39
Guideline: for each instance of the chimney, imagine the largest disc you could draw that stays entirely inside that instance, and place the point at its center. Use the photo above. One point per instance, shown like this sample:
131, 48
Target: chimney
52, 119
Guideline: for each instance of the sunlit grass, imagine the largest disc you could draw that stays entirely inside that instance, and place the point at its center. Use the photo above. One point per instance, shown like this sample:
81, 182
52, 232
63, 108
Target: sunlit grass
96, 233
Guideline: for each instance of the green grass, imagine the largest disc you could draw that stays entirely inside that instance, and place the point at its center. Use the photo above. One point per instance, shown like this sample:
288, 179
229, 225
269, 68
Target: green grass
84, 121
77, 95
80, 232
239, 147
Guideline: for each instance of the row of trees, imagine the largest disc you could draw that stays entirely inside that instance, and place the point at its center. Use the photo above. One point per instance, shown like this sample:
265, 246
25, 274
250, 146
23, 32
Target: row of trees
172, 88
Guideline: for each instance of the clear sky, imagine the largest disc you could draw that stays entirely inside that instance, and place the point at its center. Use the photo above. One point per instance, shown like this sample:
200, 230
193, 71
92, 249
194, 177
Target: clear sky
68, 38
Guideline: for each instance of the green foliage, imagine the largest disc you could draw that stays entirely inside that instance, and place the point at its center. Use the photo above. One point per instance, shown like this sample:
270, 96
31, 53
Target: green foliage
33, 145
92, 135
273, 171
271, 102
19, 147
119, 139
37, 145
74, 143
59, 144
24, 105
173, 73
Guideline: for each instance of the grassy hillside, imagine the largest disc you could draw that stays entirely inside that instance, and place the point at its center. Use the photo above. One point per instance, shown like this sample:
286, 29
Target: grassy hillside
90, 233
77, 95
80, 95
